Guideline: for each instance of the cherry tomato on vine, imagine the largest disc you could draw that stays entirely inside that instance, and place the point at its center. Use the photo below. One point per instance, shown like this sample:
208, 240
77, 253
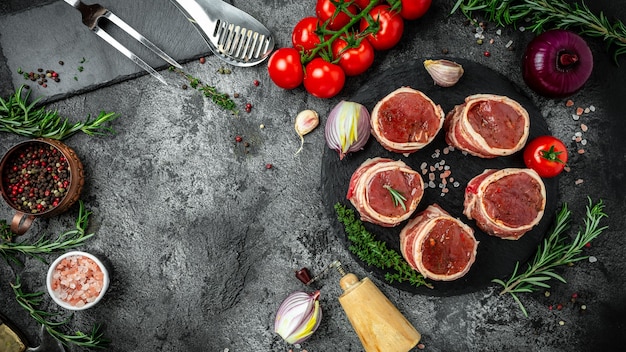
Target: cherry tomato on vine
353, 60
547, 155
390, 27
361, 4
414, 9
323, 79
285, 68
303, 36
325, 9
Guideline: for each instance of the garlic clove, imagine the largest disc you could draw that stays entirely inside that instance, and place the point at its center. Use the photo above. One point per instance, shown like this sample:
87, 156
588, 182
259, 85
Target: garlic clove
445, 73
306, 121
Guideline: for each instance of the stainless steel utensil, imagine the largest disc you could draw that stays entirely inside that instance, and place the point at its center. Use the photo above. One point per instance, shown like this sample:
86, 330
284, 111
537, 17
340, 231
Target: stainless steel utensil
92, 14
232, 34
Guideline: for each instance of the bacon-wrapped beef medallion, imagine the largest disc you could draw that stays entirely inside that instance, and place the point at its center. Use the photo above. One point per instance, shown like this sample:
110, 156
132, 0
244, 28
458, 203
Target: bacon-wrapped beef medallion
488, 126
372, 188
438, 245
505, 203
406, 120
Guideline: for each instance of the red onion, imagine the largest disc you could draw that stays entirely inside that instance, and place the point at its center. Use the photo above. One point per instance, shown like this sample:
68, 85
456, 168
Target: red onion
298, 316
557, 63
347, 128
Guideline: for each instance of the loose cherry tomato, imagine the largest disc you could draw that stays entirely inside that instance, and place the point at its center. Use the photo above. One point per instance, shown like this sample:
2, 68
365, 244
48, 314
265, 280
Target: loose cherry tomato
390, 27
303, 36
325, 10
355, 56
323, 79
285, 68
414, 9
547, 155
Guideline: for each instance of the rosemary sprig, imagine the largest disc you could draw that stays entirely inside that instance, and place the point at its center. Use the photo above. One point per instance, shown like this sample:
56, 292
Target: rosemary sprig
376, 253
67, 240
555, 251
397, 197
19, 116
546, 14
30, 302
222, 100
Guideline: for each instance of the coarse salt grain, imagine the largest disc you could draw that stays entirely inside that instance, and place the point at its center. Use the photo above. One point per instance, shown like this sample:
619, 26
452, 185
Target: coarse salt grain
579, 181
584, 127
77, 280
592, 259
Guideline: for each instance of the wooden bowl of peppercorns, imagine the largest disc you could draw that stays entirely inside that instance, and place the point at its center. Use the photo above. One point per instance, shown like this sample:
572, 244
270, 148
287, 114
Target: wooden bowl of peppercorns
40, 178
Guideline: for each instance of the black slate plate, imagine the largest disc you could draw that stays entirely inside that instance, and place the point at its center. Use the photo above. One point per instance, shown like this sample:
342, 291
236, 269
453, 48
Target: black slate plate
496, 258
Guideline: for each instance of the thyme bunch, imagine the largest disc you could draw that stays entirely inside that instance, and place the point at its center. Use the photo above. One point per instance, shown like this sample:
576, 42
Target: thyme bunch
19, 116
30, 301
222, 100
546, 14
67, 240
376, 253
555, 251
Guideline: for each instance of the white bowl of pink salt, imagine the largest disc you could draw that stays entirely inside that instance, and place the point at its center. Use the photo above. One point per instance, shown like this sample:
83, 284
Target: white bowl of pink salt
77, 280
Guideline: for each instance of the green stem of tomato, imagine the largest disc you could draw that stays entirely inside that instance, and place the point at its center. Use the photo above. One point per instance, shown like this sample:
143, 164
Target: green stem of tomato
325, 44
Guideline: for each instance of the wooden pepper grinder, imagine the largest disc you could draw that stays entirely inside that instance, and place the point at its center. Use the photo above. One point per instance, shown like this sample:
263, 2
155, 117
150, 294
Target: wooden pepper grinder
378, 323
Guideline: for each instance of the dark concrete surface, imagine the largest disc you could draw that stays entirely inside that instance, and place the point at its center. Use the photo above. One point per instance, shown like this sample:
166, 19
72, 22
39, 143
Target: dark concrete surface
202, 240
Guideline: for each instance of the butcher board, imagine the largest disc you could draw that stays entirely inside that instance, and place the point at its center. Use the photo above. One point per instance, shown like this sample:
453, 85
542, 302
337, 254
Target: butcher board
496, 258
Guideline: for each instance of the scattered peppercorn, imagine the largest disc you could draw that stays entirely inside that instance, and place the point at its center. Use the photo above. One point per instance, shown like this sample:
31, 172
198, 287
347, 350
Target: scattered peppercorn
202, 60
256, 82
268, 166
61, 63
238, 139
248, 107
487, 54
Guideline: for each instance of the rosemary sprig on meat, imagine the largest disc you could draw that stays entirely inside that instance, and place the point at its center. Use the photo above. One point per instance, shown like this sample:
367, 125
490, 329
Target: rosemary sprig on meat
376, 253
30, 301
547, 14
555, 251
67, 240
19, 116
397, 197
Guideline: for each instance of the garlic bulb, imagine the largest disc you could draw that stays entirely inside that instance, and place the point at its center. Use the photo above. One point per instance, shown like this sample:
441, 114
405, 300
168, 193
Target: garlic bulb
347, 127
306, 121
298, 316
445, 73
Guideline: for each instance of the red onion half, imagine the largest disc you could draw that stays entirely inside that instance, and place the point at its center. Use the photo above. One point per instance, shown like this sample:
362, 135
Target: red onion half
557, 63
347, 128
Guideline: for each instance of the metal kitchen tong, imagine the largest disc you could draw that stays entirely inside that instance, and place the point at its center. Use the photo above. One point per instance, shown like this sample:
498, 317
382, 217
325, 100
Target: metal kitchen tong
91, 15
232, 34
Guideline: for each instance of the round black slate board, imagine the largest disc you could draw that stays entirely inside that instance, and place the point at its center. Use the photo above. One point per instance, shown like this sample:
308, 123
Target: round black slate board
496, 258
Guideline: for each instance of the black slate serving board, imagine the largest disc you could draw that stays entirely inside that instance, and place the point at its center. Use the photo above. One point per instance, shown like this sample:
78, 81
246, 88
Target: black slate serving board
496, 258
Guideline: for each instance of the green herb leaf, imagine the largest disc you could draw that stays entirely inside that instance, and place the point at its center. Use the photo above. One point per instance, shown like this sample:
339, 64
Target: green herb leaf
222, 100
31, 301
548, 14
67, 240
555, 251
397, 197
376, 253
19, 116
